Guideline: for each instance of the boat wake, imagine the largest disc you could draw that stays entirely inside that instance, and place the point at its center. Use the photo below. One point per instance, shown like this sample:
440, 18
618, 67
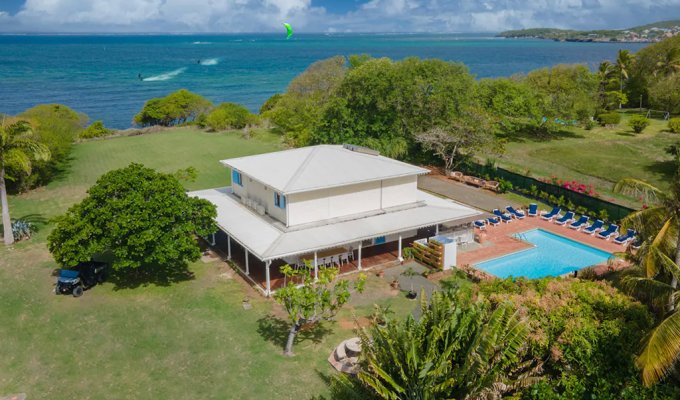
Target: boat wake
164, 77
211, 61
201, 43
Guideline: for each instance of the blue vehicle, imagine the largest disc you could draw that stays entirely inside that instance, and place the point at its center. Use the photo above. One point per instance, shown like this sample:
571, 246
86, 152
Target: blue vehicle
83, 276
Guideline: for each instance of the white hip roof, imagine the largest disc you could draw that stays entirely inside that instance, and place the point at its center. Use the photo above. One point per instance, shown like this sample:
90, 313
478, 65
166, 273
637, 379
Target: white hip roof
269, 240
319, 167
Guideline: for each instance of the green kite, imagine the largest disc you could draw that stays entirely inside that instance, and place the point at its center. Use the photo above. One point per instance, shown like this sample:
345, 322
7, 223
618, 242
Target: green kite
289, 30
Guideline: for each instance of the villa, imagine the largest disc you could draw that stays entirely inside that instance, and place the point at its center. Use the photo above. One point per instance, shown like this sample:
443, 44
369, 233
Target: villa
340, 205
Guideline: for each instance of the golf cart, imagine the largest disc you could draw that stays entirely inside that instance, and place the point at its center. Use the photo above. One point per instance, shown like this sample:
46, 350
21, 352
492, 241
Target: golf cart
82, 277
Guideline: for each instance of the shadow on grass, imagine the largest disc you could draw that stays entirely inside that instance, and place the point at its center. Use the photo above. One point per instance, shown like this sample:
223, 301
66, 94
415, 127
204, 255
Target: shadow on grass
343, 387
524, 136
131, 278
275, 330
37, 220
666, 168
626, 133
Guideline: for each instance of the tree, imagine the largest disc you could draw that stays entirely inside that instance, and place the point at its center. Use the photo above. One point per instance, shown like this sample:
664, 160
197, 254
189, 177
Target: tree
669, 62
96, 129
229, 116
462, 138
566, 91
606, 76
457, 349
664, 94
176, 108
513, 102
18, 149
297, 113
143, 218
314, 300
624, 59
659, 258
56, 126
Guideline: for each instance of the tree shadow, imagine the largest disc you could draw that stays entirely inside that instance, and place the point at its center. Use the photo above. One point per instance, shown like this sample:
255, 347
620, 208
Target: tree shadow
626, 133
524, 136
275, 330
667, 168
158, 275
343, 387
37, 220
60, 170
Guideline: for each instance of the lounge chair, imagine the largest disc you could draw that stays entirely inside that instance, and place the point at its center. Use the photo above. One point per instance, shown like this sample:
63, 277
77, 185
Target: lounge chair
594, 227
515, 213
627, 237
493, 221
457, 176
611, 231
480, 224
568, 217
636, 244
492, 185
552, 214
533, 210
502, 216
580, 223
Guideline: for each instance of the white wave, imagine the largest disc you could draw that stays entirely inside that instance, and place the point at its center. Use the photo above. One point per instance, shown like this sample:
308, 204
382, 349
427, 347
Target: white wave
210, 61
165, 77
201, 43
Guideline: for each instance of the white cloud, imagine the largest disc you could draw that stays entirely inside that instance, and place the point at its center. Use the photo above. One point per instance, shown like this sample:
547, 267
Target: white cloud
373, 15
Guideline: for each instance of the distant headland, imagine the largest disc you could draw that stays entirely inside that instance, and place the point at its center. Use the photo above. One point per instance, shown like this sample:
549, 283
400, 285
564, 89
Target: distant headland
654, 32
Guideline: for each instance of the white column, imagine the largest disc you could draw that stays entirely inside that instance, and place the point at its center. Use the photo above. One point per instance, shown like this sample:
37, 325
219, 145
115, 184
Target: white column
213, 240
399, 251
228, 247
436, 230
316, 267
359, 257
268, 290
247, 265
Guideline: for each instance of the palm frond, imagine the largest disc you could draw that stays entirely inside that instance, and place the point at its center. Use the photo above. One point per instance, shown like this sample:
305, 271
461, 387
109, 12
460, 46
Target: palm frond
662, 350
639, 188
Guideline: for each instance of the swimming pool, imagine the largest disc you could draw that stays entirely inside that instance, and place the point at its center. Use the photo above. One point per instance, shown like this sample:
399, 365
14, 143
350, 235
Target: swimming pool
552, 255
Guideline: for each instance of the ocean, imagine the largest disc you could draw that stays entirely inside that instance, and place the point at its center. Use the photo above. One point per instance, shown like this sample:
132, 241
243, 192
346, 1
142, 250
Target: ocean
100, 74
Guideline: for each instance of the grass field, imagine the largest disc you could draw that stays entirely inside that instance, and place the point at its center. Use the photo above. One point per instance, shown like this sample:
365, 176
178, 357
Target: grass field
191, 339
601, 156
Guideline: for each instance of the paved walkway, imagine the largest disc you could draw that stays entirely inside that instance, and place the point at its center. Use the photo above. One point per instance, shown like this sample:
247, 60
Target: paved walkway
462, 193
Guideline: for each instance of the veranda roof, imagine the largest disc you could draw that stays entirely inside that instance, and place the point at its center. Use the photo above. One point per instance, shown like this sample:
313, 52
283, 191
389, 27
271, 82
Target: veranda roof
268, 239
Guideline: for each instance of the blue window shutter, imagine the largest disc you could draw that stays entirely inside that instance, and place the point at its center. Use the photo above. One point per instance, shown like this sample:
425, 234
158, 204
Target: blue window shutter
276, 199
283, 201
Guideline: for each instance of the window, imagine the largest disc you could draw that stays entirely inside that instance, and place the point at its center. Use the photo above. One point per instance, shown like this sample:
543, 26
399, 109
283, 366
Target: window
279, 200
236, 177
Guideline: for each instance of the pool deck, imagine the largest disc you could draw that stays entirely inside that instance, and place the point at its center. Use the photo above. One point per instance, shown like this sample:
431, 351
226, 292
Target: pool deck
497, 241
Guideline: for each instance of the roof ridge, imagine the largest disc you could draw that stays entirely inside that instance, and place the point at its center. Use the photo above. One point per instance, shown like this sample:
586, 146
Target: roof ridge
296, 174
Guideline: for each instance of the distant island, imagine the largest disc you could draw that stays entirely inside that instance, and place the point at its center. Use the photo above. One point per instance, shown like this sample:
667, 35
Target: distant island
640, 34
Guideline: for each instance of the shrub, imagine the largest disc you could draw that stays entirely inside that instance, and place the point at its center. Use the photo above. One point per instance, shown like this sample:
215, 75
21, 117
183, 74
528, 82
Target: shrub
229, 116
97, 129
588, 124
504, 186
22, 229
674, 125
638, 123
174, 109
608, 119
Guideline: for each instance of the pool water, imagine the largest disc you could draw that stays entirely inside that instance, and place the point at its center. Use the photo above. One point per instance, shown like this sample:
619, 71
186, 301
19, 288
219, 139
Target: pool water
553, 255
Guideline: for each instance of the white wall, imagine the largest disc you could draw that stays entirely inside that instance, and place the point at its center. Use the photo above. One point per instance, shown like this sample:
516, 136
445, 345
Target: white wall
319, 205
399, 191
262, 194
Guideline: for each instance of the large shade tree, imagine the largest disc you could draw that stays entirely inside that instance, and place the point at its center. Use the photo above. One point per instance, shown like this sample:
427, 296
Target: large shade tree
140, 216
18, 150
658, 258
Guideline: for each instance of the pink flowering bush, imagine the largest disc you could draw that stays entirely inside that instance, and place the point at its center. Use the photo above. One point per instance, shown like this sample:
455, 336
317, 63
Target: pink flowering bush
574, 186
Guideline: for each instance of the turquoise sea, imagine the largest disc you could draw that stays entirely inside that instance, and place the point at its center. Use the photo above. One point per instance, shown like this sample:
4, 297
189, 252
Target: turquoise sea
99, 74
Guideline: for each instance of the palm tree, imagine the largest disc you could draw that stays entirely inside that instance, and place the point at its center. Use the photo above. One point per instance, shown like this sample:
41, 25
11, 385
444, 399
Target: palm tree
658, 259
624, 60
453, 350
605, 75
17, 150
669, 63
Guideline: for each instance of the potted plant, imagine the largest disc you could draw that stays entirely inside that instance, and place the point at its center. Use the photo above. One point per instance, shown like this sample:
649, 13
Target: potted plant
246, 303
394, 284
410, 273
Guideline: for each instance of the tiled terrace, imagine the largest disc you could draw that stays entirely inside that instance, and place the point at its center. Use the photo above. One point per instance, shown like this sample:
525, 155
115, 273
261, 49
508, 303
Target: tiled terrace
497, 241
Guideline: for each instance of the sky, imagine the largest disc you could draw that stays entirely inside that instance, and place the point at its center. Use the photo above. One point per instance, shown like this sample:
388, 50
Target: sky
234, 16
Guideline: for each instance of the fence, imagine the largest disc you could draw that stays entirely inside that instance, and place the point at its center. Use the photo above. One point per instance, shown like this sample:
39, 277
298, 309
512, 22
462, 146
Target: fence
593, 204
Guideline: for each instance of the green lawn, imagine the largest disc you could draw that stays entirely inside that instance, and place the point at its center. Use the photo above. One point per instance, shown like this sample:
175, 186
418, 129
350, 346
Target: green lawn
191, 339
601, 156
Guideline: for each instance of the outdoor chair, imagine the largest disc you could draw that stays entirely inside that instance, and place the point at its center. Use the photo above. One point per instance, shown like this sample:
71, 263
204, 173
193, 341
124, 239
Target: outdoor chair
533, 210
626, 238
594, 227
568, 217
480, 224
515, 213
502, 216
611, 231
580, 223
548, 216
493, 221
